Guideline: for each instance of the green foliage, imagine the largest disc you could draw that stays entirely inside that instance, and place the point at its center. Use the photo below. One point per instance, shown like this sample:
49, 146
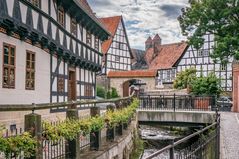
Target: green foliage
121, 116
184, 78
209, 85
217, 17
138, 148
70, 128
100, 91
17, 144
112, 93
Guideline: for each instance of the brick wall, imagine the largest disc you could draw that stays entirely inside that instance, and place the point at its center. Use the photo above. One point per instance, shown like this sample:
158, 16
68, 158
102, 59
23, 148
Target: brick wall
235, 86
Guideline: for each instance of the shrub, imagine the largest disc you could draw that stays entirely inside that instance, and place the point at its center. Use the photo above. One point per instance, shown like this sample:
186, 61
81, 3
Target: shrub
100, 91
184, 78
114, 93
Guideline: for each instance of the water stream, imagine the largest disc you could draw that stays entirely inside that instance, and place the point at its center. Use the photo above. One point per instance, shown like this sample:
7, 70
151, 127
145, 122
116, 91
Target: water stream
158, 137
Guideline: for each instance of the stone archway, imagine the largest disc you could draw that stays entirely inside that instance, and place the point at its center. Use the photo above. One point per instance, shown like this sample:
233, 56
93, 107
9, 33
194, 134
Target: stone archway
132, 85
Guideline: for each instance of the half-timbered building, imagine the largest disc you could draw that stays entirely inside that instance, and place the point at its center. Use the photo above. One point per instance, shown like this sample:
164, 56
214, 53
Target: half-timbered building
163, 58
50, 50
204, 64
116, 50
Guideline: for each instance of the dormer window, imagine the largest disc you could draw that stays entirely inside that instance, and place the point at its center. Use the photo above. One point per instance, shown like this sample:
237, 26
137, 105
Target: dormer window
61, 16
35, 3
73, 27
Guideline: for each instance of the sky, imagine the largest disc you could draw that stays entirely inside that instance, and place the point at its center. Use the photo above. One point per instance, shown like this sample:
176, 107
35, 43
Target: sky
144, 18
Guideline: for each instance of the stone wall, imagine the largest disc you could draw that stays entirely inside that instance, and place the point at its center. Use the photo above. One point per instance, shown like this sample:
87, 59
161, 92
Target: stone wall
121, 148
118, 83
103, 81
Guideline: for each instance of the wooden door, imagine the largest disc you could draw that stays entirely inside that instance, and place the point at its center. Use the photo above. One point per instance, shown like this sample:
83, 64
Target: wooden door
72, 85
126, 89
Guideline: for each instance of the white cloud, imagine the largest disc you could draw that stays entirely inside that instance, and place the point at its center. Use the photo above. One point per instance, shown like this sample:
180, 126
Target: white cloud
144, 17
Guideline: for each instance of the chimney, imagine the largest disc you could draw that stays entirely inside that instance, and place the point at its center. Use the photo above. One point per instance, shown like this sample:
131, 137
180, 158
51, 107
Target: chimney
148, 43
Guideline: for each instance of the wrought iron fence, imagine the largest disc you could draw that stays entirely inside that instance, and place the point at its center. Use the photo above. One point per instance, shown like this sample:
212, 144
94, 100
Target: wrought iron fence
206, 147
178, 102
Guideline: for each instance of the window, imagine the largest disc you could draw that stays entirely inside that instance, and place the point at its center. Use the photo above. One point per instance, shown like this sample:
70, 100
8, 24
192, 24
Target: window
88, 38
61, 16
121, 46
200, 53
60, 84
96, 43
73, 27
9, 52
223, 66
206, 52
117, 58
30, 71
35, 3
88, 90
168, 75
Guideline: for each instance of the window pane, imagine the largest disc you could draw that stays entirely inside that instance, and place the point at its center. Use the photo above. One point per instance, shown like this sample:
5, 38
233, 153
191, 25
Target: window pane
12, 61
12, 77
33, 65
5, 59
12, 51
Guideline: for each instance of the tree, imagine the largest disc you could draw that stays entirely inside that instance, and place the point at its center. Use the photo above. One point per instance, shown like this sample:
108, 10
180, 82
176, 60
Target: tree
183, 78
217, 17
209, 85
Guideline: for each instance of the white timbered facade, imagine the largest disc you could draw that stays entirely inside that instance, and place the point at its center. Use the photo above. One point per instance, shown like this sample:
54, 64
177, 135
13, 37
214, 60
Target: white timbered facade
204, 64
50, 51
116, 50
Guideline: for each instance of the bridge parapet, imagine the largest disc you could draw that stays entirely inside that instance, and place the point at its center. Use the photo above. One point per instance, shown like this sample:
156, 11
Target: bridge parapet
176, 118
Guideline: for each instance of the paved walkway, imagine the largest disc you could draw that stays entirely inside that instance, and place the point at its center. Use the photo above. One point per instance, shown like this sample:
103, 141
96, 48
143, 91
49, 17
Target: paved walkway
229, 135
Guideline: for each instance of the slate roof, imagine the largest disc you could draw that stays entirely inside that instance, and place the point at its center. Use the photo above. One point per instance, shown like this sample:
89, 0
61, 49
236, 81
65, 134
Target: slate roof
133, 73
164, 56
138, 61
84, 5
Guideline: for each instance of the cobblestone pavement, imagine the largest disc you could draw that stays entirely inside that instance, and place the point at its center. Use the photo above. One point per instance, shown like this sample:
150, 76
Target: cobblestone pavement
229, 135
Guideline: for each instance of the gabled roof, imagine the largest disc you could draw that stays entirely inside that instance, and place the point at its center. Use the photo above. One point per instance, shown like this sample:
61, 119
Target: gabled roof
112, 24
165, 56
85, 7
134, 73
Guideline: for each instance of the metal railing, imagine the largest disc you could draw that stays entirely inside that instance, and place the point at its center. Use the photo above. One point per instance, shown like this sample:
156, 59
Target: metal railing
60, 148
178, 102
207, 146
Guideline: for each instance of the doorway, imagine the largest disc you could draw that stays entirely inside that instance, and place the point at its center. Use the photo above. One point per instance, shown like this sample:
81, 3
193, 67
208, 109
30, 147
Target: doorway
72, 84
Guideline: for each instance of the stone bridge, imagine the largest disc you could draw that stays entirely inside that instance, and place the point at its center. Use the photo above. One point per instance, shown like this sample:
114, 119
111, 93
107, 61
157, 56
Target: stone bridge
176, 118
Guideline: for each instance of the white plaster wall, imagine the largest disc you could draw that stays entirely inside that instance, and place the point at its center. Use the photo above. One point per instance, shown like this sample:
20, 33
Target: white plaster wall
19, 95
44, 6
53, 10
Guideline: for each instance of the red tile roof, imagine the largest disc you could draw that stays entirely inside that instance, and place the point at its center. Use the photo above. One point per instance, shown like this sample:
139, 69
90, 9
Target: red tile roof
134, 73
164, 56
86, 5
111, 24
